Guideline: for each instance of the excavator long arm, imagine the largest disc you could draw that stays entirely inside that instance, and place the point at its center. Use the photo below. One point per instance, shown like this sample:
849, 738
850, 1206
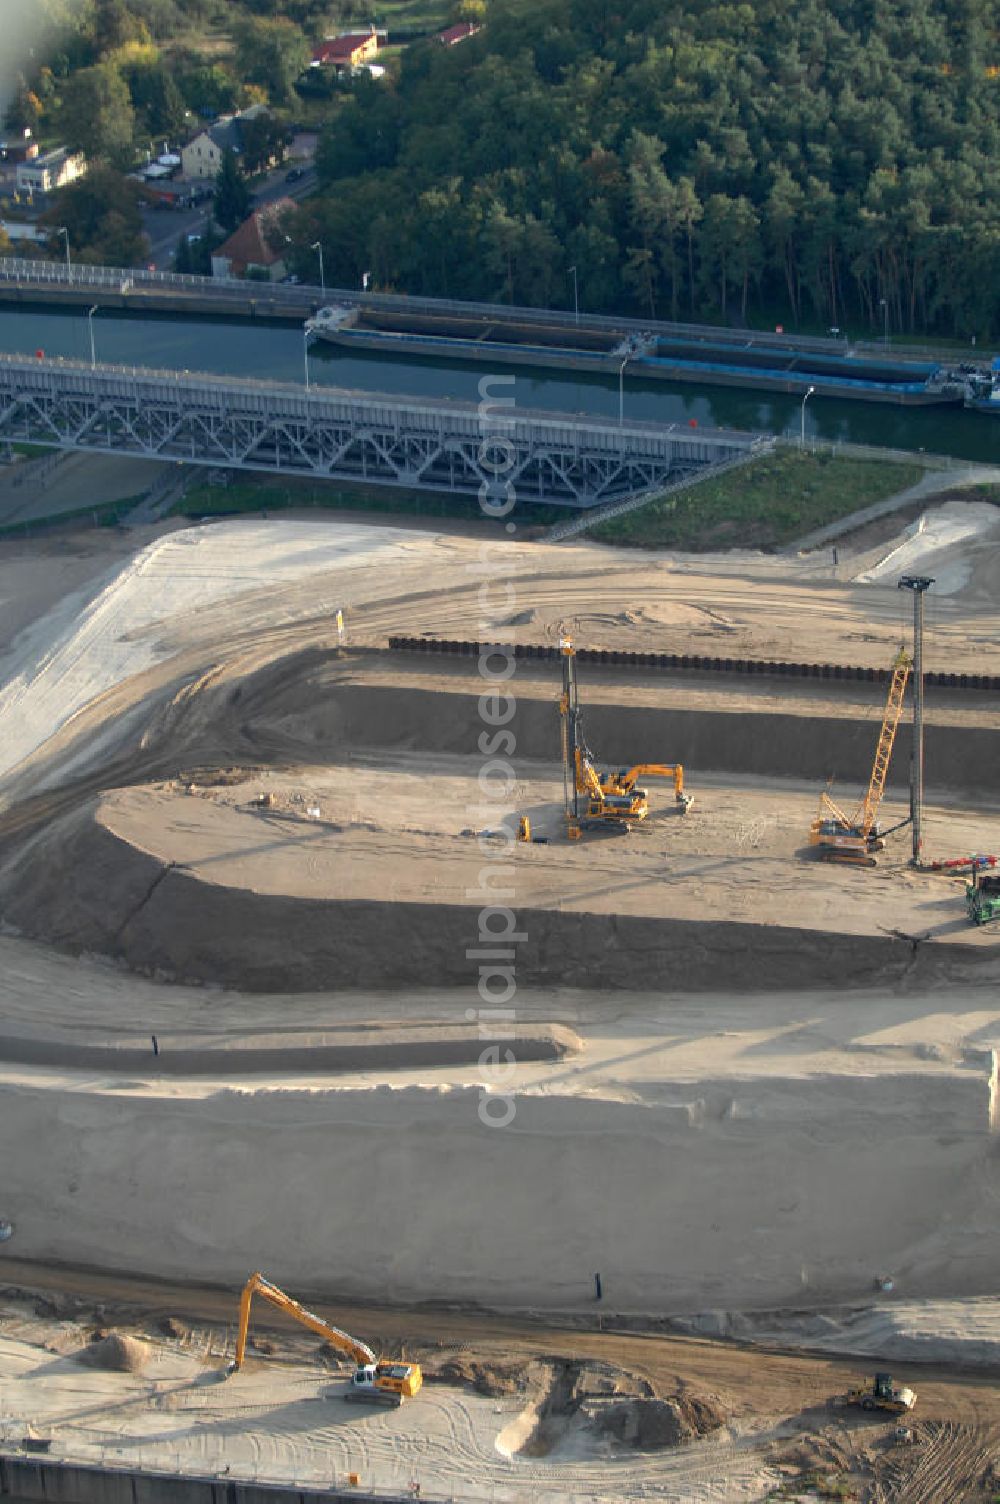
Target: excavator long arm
258, 1285
673, 771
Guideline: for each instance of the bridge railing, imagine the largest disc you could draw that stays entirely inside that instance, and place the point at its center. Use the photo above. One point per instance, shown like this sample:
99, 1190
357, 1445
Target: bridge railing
121, 380
58, 274
309, 297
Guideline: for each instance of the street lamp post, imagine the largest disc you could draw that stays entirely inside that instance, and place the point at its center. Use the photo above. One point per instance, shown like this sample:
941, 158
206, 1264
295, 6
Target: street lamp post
62, 230
883, 304
90, 328
319, 250
621, 391
802, 431
305, 353
576, 296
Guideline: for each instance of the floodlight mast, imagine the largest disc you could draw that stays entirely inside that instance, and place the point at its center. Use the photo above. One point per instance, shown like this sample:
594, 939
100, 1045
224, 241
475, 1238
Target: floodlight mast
919, 584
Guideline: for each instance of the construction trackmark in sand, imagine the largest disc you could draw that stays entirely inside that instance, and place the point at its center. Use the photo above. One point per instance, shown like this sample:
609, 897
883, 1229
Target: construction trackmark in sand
498, 934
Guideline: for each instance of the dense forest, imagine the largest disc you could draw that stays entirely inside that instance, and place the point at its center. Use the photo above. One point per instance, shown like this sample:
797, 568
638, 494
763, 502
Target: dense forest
747, 161
108, 77
828, 163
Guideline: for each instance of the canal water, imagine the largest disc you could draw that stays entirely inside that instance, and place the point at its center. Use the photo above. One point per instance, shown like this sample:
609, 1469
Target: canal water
243, 348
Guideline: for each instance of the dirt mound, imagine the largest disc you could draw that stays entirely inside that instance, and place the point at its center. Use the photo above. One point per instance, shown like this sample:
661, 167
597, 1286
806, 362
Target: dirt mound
490, 1379
652, 1423
598, 1397
115, 1353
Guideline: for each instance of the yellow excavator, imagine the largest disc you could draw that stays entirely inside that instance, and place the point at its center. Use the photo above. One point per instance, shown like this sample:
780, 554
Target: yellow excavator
374, 1381
856, 838
593, 799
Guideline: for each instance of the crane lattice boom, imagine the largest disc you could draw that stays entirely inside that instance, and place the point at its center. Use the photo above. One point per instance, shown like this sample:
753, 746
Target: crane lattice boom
868, 808
856, 837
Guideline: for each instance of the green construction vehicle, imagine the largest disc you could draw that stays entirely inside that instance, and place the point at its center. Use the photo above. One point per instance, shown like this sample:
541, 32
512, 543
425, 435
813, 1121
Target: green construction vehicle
882, 1394
982, 897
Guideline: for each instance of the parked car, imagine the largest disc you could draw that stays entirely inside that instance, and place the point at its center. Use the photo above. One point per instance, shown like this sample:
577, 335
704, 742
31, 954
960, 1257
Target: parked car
294, 173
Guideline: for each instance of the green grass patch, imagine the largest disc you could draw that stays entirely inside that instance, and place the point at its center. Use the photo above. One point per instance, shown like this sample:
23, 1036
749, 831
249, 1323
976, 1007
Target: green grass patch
33, 451
251, 495
413, 15
108, 514
819, 1485
765, 504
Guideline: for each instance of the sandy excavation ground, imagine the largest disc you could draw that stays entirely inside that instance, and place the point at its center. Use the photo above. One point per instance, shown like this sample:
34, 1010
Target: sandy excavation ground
508, 1411
237, 884
283, 879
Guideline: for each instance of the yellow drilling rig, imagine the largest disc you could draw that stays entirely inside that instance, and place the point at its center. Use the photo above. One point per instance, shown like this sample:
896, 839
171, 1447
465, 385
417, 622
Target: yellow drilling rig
594, 800
857, 837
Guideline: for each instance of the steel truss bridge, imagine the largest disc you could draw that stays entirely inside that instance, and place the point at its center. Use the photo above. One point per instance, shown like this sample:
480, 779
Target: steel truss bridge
492, 452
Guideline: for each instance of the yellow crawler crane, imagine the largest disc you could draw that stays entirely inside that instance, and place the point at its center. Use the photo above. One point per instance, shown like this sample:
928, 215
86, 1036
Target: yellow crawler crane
856, 838
601, 800
374, 1380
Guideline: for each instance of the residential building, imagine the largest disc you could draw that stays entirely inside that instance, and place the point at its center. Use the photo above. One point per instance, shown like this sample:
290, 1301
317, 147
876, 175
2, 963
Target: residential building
455, 34
248, 250
51, 170
202, 156
19, 149
17, 233
349, 50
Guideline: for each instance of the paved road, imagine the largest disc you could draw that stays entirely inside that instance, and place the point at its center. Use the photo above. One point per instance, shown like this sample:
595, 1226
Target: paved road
166, 226
932, 484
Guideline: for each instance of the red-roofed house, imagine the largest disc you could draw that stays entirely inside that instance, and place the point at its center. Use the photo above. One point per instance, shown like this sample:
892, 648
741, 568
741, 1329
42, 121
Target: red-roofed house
248, 251
454, 34
350, 50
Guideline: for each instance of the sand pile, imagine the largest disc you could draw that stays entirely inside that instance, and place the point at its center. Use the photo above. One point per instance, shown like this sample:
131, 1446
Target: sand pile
115, 1353
81, 648
652, 1423
489, 1378
940, 540
594, 1397
965, 1332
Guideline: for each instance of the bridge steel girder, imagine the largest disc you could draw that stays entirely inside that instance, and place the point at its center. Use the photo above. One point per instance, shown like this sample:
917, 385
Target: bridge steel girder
490, 451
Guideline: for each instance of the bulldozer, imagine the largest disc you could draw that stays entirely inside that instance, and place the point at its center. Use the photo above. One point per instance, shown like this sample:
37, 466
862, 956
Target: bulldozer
882, 1394
857, 838
610, 801
374, 1381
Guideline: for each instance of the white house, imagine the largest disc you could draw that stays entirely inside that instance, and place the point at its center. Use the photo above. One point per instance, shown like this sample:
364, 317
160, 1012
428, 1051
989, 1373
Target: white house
54, 169
202, 157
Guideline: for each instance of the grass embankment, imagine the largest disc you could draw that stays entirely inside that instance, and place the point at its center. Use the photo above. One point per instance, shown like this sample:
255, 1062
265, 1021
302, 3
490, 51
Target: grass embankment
413, 16
251, 495
765, 504
32, 451
106, 514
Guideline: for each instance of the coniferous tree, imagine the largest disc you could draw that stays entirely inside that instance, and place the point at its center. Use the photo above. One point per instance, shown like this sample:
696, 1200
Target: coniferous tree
232, 196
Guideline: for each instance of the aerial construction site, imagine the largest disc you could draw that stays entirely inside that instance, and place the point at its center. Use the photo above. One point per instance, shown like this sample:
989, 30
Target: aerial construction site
555, 984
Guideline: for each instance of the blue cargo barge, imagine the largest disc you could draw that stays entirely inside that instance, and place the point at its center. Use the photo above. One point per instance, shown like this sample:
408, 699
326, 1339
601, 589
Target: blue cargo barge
601, 346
